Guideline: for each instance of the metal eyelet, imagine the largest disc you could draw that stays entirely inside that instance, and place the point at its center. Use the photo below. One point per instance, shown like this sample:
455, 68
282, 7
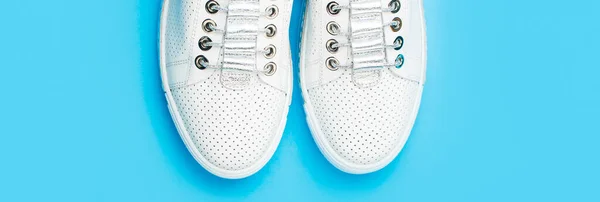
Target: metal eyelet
272, 11
398, 25
270, 51
271, 30
208, 25
333, 28
202, 43
399, 40
199, 62
270, 69
210, 7
394, 5
399, 61
331, 8
332, 63
329, 45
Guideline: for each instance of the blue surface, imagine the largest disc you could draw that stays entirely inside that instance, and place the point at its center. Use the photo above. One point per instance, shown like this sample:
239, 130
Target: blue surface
510, 111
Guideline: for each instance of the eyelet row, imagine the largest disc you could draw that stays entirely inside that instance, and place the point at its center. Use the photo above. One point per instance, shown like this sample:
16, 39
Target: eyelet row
396, 26
209, 25
334, 29
270, 51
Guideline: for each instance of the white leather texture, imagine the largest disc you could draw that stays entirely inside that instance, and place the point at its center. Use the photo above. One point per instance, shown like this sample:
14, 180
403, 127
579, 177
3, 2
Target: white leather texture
231, 128
364, 126
361, 121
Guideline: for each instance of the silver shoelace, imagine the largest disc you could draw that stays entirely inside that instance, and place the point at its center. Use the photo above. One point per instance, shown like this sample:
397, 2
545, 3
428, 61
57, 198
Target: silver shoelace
365, 34
239, 37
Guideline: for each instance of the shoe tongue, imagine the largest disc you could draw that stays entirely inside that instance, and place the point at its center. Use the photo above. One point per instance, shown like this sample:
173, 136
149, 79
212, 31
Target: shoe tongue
366, 78
237, 80
239, 44
368, 46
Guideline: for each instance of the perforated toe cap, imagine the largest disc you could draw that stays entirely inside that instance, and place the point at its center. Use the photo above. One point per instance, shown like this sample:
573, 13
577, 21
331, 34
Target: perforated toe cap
363, 126
232, 129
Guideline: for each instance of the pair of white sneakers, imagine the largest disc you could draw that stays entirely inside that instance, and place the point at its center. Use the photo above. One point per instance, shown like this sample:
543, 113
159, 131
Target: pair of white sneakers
227, 76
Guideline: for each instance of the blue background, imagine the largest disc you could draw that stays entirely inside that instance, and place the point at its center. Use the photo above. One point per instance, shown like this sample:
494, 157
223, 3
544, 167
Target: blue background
510, 111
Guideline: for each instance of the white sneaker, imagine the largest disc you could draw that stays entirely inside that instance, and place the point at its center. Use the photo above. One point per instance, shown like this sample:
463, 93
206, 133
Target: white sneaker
226, 72
362, 72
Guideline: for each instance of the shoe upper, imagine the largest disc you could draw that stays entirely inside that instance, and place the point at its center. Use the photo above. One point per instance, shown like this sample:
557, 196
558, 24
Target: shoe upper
362, 94
226, 73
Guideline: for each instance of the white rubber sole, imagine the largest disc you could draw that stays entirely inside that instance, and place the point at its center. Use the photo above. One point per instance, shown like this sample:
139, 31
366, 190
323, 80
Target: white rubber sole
179, 124
326, 149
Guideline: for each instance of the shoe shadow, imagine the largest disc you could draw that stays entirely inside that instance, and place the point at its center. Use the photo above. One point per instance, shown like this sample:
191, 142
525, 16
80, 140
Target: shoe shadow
176, 156
321, 171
